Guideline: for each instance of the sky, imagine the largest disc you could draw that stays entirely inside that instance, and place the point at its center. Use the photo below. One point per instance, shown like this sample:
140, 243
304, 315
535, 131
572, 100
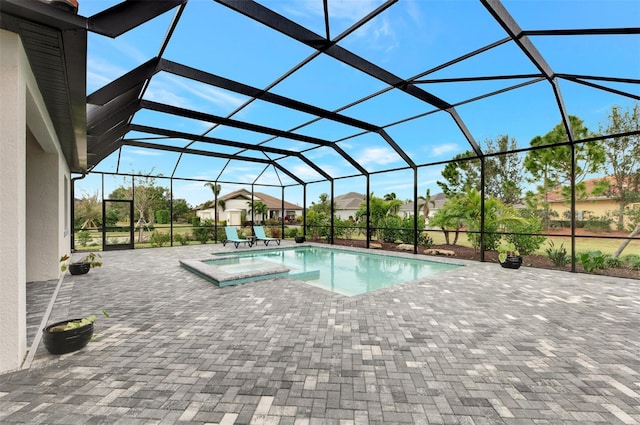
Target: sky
408, 39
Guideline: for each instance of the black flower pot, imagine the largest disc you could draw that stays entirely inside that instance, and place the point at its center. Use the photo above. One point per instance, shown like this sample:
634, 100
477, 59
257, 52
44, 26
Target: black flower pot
67, 341
299, 239
512, 262
79, 268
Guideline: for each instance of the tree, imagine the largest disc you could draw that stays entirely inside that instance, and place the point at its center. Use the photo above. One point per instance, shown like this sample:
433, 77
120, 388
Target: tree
259, 207
215, 188
425, 207
394, 203
503, 173
88, 211
552, 166
461, 175
147, 198
449, 219
623, 158
181, 209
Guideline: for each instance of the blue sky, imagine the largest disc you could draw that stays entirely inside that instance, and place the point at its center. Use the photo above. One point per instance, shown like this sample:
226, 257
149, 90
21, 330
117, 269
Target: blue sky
409, 38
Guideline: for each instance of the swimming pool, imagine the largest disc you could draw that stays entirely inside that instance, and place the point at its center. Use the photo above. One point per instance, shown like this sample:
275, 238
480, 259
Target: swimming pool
343, 271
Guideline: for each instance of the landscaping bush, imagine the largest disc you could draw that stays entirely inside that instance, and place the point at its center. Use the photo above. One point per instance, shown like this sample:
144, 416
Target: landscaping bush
598, 224
526, 243
181, 238
83, 237
389, 230
593, 261
558, 255
275, 232
162, 216
159, 238
195, 221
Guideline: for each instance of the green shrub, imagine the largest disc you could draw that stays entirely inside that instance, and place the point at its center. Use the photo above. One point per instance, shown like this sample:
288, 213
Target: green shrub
526, 243
159, 238
181, 238
558, 255
598, 224
389, 230
593, 261
195, 220
275, 232
291, 232
83, 237
162, 216
609, 261
425, 240
631, 260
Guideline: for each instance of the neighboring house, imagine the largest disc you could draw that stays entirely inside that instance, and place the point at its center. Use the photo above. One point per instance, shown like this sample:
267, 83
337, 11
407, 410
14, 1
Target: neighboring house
346, 206
590, 207
238, 201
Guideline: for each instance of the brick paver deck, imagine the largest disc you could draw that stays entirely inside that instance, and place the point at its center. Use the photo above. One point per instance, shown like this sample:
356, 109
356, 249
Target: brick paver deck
475, 345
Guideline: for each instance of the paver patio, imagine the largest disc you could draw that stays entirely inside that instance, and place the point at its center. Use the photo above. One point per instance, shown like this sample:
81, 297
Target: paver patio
475, 345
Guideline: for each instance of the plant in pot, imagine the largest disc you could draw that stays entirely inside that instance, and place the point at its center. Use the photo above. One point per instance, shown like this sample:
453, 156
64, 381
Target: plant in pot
509, 257
299, 237
69, 335
82, 266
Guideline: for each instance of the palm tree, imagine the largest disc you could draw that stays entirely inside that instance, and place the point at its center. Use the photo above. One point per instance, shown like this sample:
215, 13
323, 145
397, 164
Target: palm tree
215, 188
259, 207
393, 202
427, 201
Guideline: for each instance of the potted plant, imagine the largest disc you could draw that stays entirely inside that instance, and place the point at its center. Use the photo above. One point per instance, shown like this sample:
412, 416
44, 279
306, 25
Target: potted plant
69, 335
83, 266
299, 237
509, 257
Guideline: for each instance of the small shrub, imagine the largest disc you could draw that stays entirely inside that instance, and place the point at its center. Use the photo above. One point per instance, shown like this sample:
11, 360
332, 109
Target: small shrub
202, 234
159, 238
610, 262
275, 232
292, 232
83, 237
195, 220
162, 216
598, 224
425, 241
181, 238
558, 255
631, 260
526, 243
593, 261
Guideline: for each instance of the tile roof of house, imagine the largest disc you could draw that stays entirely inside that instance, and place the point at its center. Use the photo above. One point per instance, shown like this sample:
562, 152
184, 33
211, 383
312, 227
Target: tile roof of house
271, 201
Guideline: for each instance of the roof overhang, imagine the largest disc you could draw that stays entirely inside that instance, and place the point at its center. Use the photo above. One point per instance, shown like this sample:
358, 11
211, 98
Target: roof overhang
55, 42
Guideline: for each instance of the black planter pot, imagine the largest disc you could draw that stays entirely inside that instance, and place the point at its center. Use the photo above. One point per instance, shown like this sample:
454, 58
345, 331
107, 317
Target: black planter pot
79, 268
62, 342
512, 262
299, 239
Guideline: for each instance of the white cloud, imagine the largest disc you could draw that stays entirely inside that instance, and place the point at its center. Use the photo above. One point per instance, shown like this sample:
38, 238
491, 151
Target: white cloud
145, 152
444, 149
380, 156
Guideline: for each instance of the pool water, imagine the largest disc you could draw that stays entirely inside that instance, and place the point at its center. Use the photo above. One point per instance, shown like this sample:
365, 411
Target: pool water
337, 270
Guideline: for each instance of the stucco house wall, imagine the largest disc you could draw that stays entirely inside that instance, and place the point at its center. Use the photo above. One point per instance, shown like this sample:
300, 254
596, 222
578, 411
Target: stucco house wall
34, 196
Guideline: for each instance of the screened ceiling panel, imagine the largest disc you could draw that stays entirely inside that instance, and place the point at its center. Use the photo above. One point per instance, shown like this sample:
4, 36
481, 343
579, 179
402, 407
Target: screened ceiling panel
431, 138
372, 152
328, 83
574, 14
139, 160
243, 51
186, 93
237, 90
410, 37
389, 107
503, 114
612, 55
